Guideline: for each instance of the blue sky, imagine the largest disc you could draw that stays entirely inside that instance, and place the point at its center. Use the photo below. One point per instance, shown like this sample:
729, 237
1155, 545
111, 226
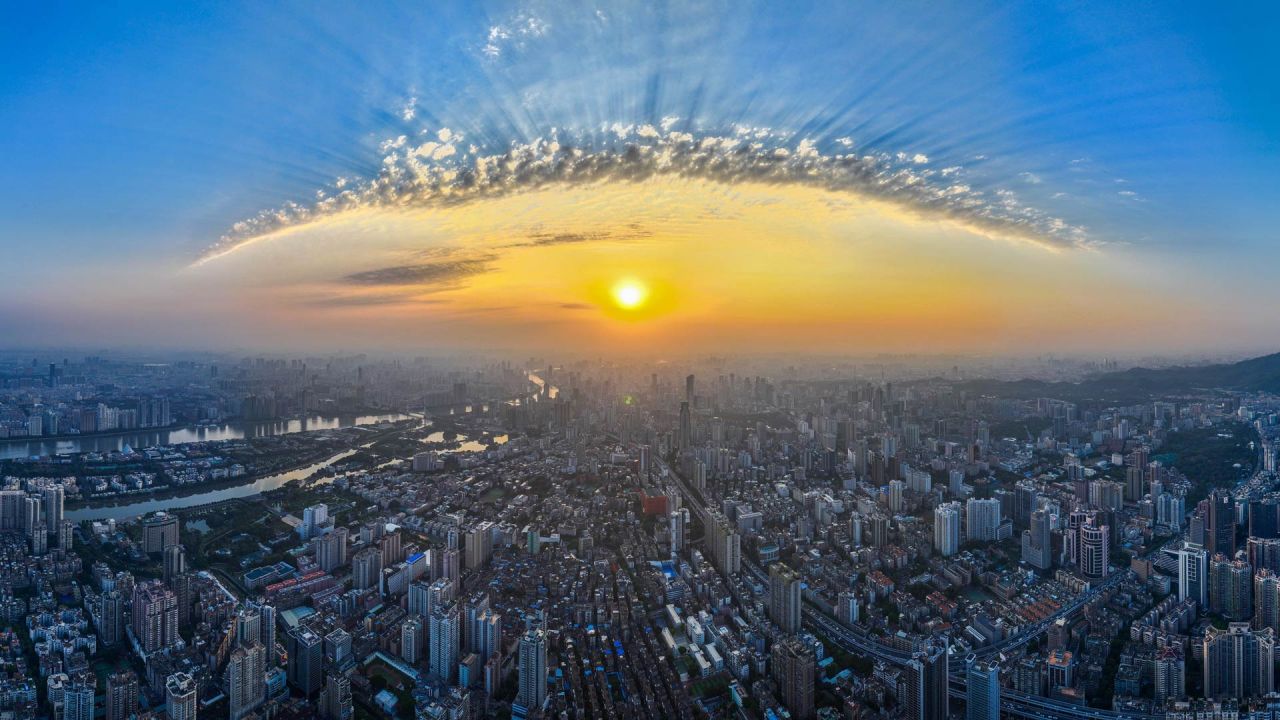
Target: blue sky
138, 134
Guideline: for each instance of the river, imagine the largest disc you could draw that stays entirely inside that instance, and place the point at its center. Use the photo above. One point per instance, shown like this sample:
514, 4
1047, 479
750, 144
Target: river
270, 482
14, 448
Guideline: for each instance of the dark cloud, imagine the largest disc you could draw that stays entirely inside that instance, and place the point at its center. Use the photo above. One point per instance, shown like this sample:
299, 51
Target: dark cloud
443, 273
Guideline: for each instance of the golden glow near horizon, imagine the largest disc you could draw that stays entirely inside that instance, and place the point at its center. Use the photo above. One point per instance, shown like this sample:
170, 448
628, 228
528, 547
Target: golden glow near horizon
677, 263
629, 294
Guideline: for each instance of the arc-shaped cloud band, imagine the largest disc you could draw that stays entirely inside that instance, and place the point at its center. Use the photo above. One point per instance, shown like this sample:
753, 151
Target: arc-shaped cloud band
443, 170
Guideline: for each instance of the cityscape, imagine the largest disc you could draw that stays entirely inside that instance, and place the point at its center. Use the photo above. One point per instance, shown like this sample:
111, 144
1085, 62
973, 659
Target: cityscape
554, 361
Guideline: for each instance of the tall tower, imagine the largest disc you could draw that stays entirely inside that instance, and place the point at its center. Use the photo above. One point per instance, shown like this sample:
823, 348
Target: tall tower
1220, 535
784, 597
982, 690
533, 670
180, 696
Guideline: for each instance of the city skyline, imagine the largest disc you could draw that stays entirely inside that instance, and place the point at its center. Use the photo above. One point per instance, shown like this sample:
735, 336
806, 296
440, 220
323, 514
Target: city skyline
634, 178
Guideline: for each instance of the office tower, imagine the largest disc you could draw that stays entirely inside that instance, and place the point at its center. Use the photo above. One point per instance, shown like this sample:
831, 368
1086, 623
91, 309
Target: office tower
678, 520
1266, 600
121, 700
245, 679
411, 640
982, 519
155, 616
451, 565
927, 684
306, 660
982, 690
443, 638
175, 562
688, 389
684, 439
366, 568
77, 698
1264, 518
111, 621
946, 528
784, 597
337, 647
268, 632
1220, 531
1231, 588
533, 670
1193, 574
66, 537
1095, 543
1025, 497
793, 664
1037, 543
331, 549
1239, 663
335, 700
159, 531
180, 697
1170, 672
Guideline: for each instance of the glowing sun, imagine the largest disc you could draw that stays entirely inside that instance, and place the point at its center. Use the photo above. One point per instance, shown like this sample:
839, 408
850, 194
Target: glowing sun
629, 294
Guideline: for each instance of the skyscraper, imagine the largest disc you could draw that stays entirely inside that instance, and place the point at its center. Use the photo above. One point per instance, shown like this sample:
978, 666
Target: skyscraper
946, 528
982, 519
533, 670
1239, 662
793, 664
155, 616
411, 640
784, 597
982, 690
1266, 600
927, 685
1037, 545
1095, 542
180, 697
444, 634
246, 679
1193, 574
306, 659
1220, 531
77, 699
1170, 674
122, 695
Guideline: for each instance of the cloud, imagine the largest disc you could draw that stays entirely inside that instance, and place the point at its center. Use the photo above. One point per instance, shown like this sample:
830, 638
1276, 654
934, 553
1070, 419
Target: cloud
1030, 178
409, 110
514, 32
445, 273
443, 172
575, 306
344, 301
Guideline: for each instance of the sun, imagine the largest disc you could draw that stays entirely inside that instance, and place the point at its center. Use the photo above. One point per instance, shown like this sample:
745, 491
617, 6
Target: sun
629, 294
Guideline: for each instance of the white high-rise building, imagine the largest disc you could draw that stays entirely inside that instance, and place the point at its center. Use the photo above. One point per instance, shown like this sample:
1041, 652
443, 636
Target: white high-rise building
180, 697
982, 518
946, 528
1193, 574
444, 634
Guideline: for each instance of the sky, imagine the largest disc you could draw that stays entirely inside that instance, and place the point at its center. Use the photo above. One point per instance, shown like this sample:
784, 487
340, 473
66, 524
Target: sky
819, 177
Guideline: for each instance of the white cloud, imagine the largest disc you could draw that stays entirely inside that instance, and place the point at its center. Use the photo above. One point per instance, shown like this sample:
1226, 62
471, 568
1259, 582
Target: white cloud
514, 33
409, 110
435, 173
1031, 178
